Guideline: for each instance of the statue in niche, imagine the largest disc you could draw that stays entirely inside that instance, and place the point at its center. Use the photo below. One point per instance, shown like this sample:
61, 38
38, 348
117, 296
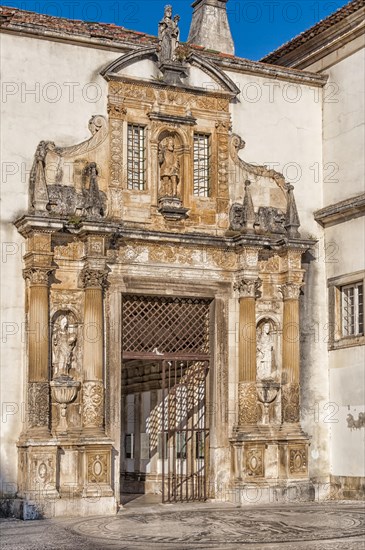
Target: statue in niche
64, 341
168, 35
169, 167
265, 364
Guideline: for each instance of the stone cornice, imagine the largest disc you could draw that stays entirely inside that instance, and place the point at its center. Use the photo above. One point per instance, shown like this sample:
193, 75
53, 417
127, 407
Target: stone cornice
26, 225
264, 70
341, 211
172, 119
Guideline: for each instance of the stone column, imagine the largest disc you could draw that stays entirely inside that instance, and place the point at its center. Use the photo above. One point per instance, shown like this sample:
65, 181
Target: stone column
291, 352
247, 397
38, 350
94, 281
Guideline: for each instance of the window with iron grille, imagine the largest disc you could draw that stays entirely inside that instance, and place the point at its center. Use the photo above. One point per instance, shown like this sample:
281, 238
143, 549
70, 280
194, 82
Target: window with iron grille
352, 298
201, 165
136, 157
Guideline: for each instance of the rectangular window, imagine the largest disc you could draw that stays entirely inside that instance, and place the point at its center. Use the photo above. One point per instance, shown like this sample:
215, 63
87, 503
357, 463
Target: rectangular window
162, 445
201, 165
181, 445
129, 446
352, 307
136, 157
200, 445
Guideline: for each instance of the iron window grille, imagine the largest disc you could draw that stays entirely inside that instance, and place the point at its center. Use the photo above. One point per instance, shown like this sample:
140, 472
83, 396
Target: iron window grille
202, 169
352, 298
136, 157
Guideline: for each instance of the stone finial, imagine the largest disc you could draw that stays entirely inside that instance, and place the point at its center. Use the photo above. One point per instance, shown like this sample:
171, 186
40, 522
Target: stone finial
292, 222
210, 26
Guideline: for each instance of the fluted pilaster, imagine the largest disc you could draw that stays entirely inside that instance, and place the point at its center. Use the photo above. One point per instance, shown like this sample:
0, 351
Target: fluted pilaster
247, 289
38, 348
94, 282
291, 352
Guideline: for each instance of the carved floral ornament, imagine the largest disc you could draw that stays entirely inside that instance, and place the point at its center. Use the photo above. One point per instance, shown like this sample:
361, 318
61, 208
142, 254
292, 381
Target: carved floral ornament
94, 278
37, 276
248, 288
247, 400
291, 291
93, 403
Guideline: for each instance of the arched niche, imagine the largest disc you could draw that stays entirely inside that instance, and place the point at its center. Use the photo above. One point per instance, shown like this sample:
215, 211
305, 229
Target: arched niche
65, 343
171, 166
268, 349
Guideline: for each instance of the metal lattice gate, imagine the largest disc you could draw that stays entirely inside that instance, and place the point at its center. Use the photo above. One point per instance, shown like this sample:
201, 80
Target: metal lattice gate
185, 437
174, 332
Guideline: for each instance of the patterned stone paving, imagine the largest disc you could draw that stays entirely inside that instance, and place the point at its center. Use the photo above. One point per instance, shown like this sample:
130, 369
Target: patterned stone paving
331, 526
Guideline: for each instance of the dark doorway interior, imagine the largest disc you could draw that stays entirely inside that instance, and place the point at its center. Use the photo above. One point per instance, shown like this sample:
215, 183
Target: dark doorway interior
165, 434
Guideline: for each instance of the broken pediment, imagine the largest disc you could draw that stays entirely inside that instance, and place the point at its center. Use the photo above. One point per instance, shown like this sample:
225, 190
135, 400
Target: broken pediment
171, 63
263, 202
71, 181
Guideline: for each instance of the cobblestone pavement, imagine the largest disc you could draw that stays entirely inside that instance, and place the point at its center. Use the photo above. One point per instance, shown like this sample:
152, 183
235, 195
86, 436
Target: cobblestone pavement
330, 526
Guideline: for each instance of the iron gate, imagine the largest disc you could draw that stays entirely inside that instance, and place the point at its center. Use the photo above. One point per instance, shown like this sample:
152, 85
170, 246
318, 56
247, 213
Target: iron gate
184, 442
175, 332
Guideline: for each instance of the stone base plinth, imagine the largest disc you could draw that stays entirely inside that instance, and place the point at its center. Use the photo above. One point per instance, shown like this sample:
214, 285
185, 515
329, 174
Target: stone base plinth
64, 477
271, 461
25, 509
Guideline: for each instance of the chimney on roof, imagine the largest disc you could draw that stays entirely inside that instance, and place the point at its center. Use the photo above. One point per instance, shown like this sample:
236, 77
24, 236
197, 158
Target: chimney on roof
210, 27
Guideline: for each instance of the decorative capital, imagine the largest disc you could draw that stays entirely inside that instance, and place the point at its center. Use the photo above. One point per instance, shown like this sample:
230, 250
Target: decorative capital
223, 126
248, 288
94, 278
117, 110
38, 276
290, 291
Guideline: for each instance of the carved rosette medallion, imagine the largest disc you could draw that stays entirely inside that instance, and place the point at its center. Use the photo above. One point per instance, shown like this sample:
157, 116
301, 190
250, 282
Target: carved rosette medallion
38, 404
291, 291
254, 462
37, 276
290, 403
93, 404
247, 401
98, 468
248, 288
94, 278
298, 461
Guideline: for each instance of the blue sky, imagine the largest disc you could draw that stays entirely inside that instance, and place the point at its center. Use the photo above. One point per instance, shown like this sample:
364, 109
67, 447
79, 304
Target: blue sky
258, 26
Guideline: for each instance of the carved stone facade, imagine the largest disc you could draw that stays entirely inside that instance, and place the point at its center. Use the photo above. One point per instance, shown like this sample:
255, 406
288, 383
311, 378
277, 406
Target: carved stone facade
158, 209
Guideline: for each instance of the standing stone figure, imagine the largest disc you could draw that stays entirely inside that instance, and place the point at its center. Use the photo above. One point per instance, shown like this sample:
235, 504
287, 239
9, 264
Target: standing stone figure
168, 34
63, 345
93, 200
169, 167
265, 351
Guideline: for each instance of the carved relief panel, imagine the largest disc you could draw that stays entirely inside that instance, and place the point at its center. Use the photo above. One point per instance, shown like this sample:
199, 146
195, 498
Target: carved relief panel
167, 119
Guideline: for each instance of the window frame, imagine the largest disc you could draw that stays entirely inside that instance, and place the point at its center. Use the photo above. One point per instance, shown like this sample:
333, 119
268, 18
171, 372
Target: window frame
140, 187
334, 331
356, 305
208, 178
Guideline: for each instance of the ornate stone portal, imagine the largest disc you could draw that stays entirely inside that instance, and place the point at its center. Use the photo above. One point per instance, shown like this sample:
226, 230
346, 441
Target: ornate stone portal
92, 234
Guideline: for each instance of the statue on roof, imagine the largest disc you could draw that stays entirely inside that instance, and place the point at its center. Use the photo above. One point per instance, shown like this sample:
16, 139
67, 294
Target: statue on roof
168, 35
